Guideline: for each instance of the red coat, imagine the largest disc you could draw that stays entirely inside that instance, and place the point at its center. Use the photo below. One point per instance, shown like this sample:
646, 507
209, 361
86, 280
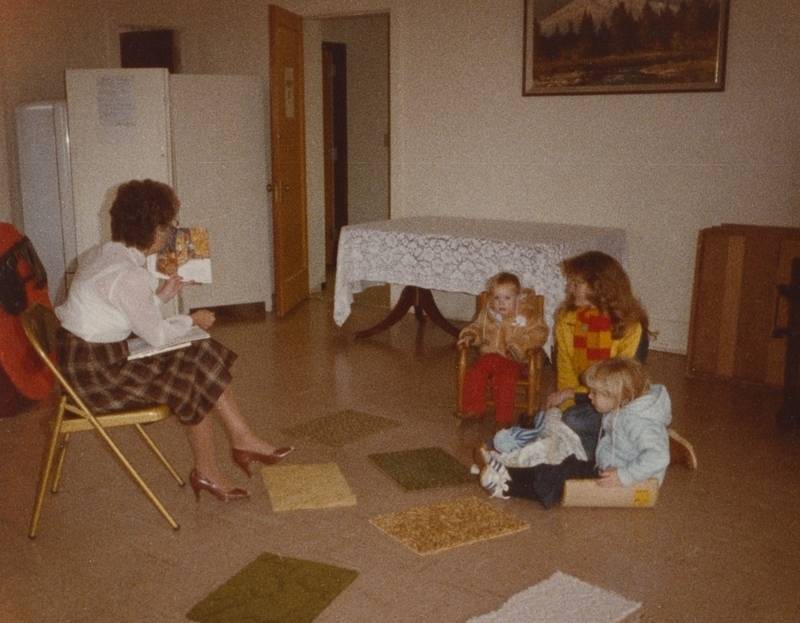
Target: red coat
19, 361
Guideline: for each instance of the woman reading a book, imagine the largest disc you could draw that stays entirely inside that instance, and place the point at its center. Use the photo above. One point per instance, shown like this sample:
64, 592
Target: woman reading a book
112, 296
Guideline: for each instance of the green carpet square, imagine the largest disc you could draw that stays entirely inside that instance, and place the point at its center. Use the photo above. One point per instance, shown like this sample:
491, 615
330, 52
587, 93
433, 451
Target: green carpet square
341, 428
274, 589
423, 468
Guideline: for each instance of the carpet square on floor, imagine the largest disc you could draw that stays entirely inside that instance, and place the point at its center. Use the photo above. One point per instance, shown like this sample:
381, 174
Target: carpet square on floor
313, 485
423, 468
562, 599
445, 525
274, 588
341, 428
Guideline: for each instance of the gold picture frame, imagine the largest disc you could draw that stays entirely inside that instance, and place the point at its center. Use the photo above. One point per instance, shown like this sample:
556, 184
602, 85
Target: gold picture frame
631, 46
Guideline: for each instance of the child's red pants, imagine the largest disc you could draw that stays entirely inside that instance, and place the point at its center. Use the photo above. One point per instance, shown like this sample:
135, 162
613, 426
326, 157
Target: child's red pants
502, 374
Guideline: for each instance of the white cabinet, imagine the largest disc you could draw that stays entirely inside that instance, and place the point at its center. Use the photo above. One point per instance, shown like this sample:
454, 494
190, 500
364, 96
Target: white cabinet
118, 131
220, 176
204, 135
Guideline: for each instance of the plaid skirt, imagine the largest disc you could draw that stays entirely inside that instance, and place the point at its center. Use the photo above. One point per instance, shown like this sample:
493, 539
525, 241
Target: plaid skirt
189, 380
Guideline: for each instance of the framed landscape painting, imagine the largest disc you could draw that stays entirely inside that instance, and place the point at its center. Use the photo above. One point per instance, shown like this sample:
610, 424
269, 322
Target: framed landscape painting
624, 46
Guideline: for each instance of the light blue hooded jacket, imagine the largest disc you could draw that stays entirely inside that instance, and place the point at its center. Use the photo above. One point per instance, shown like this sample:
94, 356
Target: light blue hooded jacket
634, 438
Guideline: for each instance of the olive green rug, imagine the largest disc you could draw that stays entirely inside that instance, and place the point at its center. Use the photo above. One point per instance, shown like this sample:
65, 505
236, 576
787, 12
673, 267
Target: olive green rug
442, 526
423, 468
341, 428
274, 588
314, 485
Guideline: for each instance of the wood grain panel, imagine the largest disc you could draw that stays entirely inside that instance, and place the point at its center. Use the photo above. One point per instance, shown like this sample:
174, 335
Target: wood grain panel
704, 337
735, 302
730, 306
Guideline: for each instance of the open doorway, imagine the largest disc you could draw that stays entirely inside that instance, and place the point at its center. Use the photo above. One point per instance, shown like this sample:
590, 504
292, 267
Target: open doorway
359, 49
334, 124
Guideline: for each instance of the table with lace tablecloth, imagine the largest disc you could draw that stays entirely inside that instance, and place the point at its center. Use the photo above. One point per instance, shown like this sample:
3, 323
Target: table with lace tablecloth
459, 255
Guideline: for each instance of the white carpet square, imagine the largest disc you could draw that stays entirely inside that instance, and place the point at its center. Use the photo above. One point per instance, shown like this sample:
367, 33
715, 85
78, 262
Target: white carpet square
562, 599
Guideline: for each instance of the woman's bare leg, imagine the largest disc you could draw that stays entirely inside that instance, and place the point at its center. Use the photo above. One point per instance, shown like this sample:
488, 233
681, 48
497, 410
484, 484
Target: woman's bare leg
201, 441
239, 432
201, 438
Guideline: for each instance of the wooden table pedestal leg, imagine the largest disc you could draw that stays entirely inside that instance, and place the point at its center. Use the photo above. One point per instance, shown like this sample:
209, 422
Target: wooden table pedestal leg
422, 301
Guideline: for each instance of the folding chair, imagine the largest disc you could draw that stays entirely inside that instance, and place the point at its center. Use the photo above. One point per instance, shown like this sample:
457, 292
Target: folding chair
40, 325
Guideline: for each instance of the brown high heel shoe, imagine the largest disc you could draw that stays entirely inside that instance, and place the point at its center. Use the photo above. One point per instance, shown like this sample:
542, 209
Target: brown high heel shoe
200, 482
243, 458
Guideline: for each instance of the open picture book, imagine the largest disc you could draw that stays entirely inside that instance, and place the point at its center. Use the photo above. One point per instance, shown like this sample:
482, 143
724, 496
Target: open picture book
187, 253
138, 348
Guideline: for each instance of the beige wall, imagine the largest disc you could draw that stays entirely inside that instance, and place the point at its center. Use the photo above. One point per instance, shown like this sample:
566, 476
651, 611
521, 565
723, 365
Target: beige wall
663, 166
465, 142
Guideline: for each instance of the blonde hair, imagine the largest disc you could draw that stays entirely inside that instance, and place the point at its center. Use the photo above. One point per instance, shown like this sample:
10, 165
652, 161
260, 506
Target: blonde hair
621, 378
504, 279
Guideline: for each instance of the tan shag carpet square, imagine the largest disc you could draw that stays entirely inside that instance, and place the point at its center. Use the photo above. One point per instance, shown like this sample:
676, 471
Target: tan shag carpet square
315, 485
437, 527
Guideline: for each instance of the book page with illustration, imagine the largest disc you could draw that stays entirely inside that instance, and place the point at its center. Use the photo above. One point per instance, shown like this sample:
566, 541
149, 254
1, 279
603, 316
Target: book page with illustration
187, 253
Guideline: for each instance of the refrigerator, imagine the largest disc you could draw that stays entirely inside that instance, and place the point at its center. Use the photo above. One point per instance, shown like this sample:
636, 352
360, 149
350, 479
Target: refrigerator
46, 186
204, 135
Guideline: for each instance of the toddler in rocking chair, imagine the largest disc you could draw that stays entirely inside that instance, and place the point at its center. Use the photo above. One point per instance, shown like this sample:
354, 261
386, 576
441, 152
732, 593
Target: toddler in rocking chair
506, 328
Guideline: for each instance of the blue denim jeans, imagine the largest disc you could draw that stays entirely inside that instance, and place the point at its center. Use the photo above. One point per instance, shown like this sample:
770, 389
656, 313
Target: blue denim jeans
585, 421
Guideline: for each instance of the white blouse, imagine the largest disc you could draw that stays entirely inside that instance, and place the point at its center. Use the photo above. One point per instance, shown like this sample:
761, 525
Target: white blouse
114, 295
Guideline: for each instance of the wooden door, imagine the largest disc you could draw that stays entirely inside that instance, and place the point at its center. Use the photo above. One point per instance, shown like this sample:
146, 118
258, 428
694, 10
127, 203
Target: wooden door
287, 123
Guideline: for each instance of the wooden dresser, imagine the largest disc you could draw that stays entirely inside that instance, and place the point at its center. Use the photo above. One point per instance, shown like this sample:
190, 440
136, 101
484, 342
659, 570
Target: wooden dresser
735, 302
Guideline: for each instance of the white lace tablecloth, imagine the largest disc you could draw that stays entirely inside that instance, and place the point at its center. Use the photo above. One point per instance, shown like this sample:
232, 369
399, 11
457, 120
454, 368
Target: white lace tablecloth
460, 254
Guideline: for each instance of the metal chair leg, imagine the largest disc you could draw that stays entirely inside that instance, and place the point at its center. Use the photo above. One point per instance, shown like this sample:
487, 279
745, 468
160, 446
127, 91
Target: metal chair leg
51, 450
137, 478
151, 444
62, 453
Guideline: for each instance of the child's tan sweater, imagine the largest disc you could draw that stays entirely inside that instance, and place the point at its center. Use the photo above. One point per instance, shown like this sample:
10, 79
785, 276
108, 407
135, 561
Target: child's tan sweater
511, 337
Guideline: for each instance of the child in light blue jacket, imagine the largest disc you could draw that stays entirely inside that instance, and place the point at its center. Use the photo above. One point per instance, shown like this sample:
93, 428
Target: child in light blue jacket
634, 442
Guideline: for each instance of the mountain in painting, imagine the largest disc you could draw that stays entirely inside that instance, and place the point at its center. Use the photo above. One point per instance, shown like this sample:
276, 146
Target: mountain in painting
599, 9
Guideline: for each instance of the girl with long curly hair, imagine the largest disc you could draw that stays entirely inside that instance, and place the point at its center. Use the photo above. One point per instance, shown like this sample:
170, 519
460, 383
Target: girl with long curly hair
599, 319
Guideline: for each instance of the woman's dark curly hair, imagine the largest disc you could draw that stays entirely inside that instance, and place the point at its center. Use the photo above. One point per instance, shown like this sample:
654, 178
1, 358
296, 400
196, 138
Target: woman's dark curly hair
610, 290
140, 207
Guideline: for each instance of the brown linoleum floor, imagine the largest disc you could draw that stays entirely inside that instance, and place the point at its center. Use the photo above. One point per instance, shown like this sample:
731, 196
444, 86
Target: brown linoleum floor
723, 543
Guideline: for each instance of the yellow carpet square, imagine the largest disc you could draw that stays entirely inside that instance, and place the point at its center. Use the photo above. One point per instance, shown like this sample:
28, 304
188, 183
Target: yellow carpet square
314, 485
437, 527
